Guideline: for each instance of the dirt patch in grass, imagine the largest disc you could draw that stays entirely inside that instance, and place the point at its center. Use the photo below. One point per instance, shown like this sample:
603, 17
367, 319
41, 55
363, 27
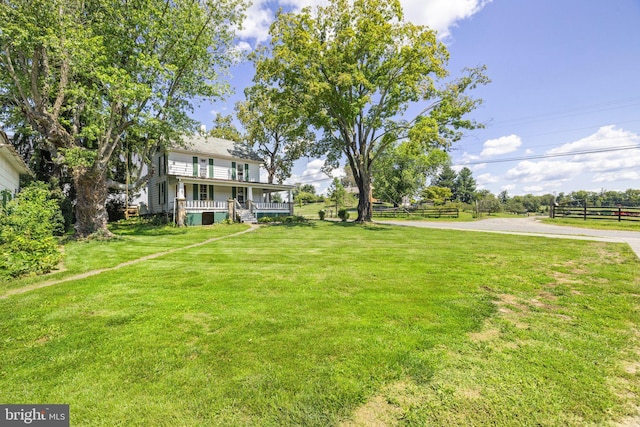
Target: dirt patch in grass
485, 335
377, 412
388, 407
630, 421
632, 368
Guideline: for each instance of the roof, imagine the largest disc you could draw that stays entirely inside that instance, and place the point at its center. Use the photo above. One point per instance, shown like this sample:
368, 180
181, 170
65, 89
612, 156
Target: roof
7, 151
218, 147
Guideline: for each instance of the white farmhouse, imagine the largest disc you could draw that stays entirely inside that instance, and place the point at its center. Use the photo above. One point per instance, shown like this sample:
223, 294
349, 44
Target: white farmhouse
11, 167
212, 179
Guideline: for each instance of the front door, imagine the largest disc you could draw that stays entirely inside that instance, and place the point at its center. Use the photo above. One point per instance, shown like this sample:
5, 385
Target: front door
240, 195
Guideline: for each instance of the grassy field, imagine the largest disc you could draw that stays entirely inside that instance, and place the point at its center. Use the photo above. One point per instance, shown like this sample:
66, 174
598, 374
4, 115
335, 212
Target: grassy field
600, 224
134, 240
333, 324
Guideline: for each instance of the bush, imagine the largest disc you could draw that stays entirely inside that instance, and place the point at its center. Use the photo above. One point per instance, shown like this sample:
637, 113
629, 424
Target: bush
321, 214
27, 242
343, 214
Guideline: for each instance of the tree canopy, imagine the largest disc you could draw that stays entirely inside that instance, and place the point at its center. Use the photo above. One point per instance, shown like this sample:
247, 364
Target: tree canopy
273, 127
98, 79
402, 172
353, 68
224, 128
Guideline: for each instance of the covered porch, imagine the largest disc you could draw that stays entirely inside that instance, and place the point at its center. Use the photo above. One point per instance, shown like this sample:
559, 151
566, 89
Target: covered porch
209, 201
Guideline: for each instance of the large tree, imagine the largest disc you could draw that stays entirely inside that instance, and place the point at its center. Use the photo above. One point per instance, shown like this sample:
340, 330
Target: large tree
353, 68
105, 80
224, 128
273, 128
402, 172
446, 177
464, 187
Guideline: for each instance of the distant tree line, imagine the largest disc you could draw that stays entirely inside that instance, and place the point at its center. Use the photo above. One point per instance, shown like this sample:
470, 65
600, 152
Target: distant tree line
448, 186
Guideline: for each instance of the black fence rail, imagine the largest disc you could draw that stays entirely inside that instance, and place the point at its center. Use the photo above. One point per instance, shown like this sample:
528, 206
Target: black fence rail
616, 213
411, 212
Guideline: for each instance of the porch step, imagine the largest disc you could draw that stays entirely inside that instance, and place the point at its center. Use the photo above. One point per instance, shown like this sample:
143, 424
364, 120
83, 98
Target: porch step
248, 217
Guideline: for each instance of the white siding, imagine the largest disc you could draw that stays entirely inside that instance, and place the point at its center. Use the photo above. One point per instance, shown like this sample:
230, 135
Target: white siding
221, 194
9, 177
180, 164
222, 169
254, 172
155, 205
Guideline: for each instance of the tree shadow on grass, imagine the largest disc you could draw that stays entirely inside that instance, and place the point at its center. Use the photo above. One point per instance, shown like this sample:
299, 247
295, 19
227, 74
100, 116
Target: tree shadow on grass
369, 226
144, 229
294, 224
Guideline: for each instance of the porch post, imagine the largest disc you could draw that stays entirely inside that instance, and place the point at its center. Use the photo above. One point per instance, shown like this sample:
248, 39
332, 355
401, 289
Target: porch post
250, 199
182, 209
231, 209
290, 202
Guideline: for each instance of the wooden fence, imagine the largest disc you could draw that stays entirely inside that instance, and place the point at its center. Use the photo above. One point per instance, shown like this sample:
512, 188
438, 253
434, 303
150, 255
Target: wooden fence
617, 213
422, 213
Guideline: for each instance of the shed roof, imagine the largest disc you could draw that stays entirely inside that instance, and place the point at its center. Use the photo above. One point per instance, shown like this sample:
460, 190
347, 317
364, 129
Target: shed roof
7, 151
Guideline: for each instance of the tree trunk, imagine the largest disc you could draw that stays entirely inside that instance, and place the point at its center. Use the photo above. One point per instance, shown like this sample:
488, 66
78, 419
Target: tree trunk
365, 211
91, 211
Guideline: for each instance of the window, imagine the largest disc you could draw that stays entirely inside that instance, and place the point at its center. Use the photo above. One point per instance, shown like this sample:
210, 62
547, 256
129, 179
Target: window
241, 172
203, 192
162, 192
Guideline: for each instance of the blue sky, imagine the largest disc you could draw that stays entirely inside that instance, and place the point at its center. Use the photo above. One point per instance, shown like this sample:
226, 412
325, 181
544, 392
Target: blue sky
565, 87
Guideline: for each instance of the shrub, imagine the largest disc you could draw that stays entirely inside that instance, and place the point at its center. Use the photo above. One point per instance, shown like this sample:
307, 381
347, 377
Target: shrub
321, 214
343, 214
27, 243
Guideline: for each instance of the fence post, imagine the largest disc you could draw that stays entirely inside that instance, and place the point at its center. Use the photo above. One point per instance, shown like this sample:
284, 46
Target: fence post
585, 210
619, 213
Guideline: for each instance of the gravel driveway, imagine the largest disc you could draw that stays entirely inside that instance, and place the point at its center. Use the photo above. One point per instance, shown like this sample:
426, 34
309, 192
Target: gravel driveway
531, 226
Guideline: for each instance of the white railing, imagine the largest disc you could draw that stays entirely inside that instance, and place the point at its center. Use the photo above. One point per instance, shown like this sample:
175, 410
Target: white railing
272, 206
205, 204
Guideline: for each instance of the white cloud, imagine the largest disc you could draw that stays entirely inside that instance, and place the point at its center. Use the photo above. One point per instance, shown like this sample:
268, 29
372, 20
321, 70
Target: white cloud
314, 175
441, 15
257, 21
502, 145
487, 178
599, 166
528, 171
242, 47
533, 189
469, 158
630, 175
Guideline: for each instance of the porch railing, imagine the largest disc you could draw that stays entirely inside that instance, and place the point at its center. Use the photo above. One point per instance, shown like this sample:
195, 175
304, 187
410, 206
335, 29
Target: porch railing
271, 206
205, 204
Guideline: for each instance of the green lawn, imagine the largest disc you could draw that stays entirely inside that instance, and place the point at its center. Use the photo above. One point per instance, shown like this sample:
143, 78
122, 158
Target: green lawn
601, 224
329, 323
134, 240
